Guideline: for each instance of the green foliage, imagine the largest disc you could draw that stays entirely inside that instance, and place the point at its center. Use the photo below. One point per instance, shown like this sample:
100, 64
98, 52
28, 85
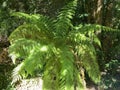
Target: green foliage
56, 48
5, 73
7, 23
110, 80
116, 18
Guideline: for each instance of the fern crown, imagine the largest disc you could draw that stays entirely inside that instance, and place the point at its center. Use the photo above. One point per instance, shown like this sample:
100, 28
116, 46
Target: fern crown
56, 49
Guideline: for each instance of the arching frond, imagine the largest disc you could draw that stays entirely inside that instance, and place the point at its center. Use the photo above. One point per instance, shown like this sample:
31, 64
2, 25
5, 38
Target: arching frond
29, 18
23, 47
88, 59
51, 73
63, 22
35, 60
86, 54
76, 37
92, 30
41, 23
28, 31
94, 27
67, 69
59, 74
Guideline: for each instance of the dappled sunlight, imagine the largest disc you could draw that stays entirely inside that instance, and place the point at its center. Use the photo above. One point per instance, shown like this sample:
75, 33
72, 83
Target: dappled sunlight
30, 84
59, 44
44, 48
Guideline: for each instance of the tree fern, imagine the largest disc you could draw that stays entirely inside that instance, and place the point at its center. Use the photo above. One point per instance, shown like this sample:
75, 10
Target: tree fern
56, 48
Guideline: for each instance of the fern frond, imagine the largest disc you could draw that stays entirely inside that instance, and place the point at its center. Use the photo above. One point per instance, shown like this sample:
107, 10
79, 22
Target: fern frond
44, 23
27, 17
50, 75
24, 31
87, 56
63, 22
35, 60
78, 80
23, 47
28, 31
86, 35
86, 53
76, 37
59, 74
66, 73
94, 28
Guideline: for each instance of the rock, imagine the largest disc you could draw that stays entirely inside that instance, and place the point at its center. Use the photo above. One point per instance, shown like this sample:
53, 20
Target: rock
30, 84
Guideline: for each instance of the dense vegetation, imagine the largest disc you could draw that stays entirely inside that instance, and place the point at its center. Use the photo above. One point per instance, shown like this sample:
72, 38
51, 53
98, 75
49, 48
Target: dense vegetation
68, 43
